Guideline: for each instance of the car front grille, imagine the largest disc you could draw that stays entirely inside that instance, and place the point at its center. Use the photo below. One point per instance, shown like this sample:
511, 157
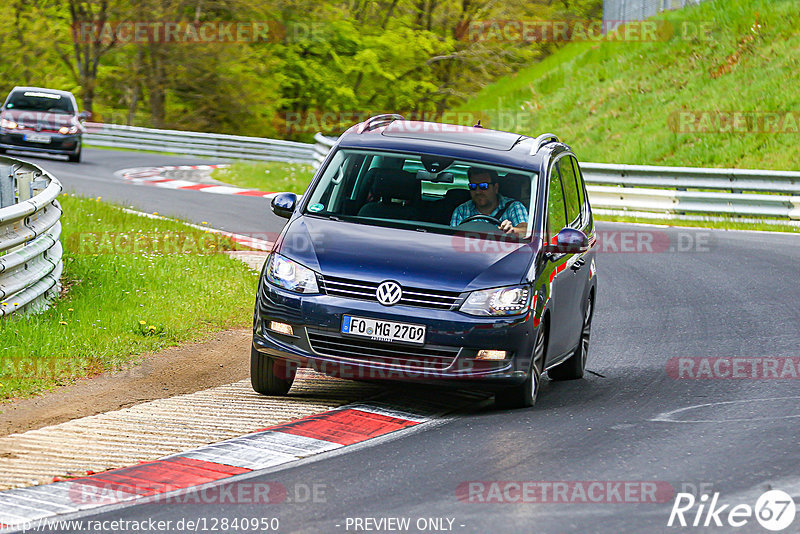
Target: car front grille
357, 289
366, 350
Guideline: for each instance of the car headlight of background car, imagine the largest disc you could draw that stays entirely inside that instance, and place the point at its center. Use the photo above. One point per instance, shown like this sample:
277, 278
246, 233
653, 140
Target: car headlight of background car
68, 130
501, 301
290, 275
5, 123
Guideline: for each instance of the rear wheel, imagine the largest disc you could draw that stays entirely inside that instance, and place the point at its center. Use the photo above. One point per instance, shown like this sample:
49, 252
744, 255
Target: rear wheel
270, 376
524, 395
574, 367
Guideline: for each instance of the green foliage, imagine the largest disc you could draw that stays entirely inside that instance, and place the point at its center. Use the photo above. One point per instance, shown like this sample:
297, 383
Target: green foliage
343, 57
622, 101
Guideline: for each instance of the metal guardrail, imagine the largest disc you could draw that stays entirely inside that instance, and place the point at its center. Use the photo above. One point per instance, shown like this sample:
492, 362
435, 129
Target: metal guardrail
30, 227
679, 192
197, 143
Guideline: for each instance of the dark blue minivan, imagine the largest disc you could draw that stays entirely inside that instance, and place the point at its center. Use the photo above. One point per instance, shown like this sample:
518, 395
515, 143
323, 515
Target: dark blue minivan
431, 253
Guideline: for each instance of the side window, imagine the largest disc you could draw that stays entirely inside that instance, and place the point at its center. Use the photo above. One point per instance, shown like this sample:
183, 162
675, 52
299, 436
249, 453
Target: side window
581, 187
570, 185
556, 217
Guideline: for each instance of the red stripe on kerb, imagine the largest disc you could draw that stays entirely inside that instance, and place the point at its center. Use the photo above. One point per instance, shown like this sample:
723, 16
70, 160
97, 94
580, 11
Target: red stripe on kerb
252, 193
160, 181
162, 475
345, 426
197, 186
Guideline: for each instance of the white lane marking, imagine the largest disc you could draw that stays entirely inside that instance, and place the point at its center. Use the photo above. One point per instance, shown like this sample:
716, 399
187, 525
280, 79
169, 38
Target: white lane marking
176, 184
223, 189
260, 450
667, 417
379, 409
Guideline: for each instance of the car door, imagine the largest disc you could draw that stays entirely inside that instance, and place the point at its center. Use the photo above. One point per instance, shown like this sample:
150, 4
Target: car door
561, 290
587, 224
577, 267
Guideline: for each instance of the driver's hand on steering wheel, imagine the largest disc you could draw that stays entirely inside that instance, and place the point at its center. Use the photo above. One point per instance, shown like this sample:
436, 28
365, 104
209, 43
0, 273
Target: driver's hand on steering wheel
509, 228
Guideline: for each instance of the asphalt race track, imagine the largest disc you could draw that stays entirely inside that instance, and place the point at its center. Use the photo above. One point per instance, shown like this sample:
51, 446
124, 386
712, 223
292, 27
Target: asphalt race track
640, 419
95, 177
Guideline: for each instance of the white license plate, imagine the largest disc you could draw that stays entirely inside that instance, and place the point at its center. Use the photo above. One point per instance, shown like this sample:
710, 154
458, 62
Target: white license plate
383, 330
37, 138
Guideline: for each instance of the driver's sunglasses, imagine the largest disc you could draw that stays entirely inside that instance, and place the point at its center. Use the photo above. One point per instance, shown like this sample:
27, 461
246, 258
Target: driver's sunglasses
483, 186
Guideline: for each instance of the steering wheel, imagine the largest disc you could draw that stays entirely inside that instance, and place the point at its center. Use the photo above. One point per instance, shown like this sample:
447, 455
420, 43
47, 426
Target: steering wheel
482, 217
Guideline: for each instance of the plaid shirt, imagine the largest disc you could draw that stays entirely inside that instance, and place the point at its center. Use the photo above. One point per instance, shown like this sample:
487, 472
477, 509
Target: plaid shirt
507, 208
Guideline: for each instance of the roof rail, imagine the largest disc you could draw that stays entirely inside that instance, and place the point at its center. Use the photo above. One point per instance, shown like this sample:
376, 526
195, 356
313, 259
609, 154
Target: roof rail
542, 140
377, 121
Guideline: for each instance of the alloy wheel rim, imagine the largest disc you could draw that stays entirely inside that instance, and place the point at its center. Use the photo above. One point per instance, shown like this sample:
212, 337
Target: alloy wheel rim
538, 357
586, 332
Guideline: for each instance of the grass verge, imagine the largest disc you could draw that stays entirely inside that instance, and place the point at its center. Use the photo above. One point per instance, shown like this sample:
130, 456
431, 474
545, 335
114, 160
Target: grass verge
131, 285
671, 101
269, 176
724, 224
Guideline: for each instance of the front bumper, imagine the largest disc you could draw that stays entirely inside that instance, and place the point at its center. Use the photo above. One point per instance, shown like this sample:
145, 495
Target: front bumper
448, 356
59, 143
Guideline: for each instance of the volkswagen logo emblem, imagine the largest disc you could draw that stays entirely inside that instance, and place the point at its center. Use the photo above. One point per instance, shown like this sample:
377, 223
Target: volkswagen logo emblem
389, 293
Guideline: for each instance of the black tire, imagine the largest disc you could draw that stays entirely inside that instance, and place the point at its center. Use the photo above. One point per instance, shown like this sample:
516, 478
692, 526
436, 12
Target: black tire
574, 367
270, 376
524, 395
76, 157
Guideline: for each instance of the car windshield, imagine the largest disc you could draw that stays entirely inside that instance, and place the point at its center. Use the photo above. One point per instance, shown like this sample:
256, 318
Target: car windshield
39, 101
423, 193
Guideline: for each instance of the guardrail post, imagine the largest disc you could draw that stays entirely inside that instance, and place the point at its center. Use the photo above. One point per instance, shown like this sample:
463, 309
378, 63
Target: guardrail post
6, 187
24, 181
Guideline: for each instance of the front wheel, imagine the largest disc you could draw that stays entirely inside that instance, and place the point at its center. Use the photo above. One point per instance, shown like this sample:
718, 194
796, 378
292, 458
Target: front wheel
76, 157
524, 395
270, 376
574, 367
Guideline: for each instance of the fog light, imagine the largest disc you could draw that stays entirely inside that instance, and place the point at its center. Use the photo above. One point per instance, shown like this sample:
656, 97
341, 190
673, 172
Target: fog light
281, 328
492, 355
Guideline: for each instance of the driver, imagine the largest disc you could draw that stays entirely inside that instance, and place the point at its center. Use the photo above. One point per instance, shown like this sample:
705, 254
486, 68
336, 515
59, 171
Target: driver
486, 200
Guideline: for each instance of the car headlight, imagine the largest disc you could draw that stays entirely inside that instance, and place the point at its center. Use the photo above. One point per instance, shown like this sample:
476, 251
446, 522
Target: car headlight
65, 130
290, 275
5, 123
503, 301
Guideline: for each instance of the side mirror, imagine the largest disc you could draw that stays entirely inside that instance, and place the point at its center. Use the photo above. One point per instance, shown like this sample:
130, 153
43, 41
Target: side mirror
283, 204
569, 241
84, 116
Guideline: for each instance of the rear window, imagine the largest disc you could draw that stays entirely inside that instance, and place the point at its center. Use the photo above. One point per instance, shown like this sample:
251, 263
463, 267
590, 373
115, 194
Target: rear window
40, 101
